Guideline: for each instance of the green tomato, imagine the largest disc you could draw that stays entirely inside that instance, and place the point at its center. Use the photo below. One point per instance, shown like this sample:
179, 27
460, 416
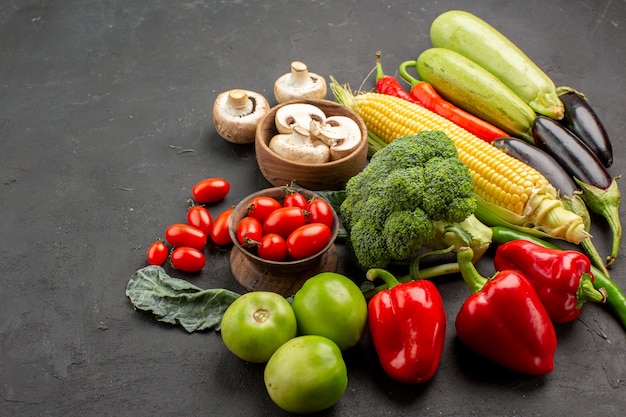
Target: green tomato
306, 374
333, 306
256, 324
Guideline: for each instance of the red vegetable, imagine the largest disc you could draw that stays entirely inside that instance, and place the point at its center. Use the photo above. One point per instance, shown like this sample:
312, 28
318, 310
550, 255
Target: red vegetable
295, 199
307, 240
249, 231
426, 95
562, 278
181, 234
272, 247
260, 207
505, 321
200, 218
187, 259
210, 190
320, 211
284, 220
219, 234
158, 253
386, 84
408, 325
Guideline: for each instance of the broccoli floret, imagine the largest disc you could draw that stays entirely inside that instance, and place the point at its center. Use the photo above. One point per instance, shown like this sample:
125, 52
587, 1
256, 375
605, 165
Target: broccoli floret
368, 246
450, 195
406, 232
392, 206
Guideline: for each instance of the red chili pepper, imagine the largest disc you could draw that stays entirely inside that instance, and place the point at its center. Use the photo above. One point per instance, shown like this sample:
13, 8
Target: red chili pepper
408, 325
426, 95
505, 321
562, 278
386, 84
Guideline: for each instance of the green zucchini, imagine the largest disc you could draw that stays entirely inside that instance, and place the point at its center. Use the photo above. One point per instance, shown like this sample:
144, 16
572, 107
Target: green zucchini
475, 39
474, 89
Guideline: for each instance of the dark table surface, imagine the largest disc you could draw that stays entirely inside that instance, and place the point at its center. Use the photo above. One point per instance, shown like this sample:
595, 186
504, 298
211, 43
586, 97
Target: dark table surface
105, 125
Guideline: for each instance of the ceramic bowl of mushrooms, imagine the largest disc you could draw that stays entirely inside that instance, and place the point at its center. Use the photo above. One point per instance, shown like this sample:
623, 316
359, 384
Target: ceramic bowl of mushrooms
315, 143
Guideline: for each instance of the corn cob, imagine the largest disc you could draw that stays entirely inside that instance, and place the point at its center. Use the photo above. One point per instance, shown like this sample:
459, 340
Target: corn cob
504, 186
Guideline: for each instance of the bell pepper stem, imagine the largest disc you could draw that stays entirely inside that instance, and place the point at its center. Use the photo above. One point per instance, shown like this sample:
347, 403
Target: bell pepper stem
470, 274
587, 292
380, 273
426, 273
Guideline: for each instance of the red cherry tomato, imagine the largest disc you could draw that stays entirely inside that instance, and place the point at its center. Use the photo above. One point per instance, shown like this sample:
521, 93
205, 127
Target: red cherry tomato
260, 207
180, 234
272, 247
320, 211
187, 259
200, 218
210, 190
307, 240
295, 199
249, 231
158, 253
284, 220
219, 234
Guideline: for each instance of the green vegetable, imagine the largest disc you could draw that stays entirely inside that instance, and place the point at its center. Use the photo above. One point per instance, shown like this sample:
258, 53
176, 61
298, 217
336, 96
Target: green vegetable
480, 42
474, 89
414, 193
177, 301
305, 375
256, 324
333, 306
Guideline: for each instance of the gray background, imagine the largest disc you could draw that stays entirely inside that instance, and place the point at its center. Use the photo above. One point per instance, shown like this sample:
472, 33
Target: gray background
105, 125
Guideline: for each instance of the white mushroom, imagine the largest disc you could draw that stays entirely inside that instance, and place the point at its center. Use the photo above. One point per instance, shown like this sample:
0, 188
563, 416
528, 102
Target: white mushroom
298, 146
328, 134
301, 114
351, 139
236, 114
299, 84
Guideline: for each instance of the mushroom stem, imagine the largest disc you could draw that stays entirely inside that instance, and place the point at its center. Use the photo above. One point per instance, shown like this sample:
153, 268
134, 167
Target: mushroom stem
239, 103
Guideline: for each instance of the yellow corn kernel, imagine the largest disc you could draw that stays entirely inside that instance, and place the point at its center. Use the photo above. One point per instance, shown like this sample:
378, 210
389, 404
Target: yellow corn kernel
501, 183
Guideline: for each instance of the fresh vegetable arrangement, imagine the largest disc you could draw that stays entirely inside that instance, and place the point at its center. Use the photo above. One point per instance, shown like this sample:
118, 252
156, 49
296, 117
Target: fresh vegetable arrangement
483, 152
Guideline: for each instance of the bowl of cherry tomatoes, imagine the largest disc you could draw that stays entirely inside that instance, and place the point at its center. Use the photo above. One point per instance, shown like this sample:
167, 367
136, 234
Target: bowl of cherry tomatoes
281, 237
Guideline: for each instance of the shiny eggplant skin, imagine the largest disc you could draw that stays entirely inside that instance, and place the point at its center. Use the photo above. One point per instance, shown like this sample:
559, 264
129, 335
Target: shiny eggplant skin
539, 159
573, 155
580, 118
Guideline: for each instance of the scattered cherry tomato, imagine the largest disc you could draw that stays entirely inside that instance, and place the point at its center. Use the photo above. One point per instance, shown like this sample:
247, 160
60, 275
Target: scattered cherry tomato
219, 234
200, 218
260, 207
158, 253
284, 220
272, 247
249, 231
307, 240
295, 199
187, 259
180, 234
320, 211
210, 190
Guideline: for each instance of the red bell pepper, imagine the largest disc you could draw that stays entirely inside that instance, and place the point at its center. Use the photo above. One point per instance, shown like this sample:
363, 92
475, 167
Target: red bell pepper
505, 321
562, 278
408, 325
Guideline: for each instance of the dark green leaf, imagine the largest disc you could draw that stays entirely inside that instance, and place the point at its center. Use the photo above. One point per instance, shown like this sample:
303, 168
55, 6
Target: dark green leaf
176, 301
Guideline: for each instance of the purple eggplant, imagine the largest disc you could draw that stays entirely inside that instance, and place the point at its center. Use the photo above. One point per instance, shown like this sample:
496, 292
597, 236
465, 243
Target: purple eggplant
560, 179
582, 120
599, 190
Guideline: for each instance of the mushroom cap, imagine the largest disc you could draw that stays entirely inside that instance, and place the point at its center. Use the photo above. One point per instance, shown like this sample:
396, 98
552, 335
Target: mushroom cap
297, 114
300, 84
236, 114
351, 140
